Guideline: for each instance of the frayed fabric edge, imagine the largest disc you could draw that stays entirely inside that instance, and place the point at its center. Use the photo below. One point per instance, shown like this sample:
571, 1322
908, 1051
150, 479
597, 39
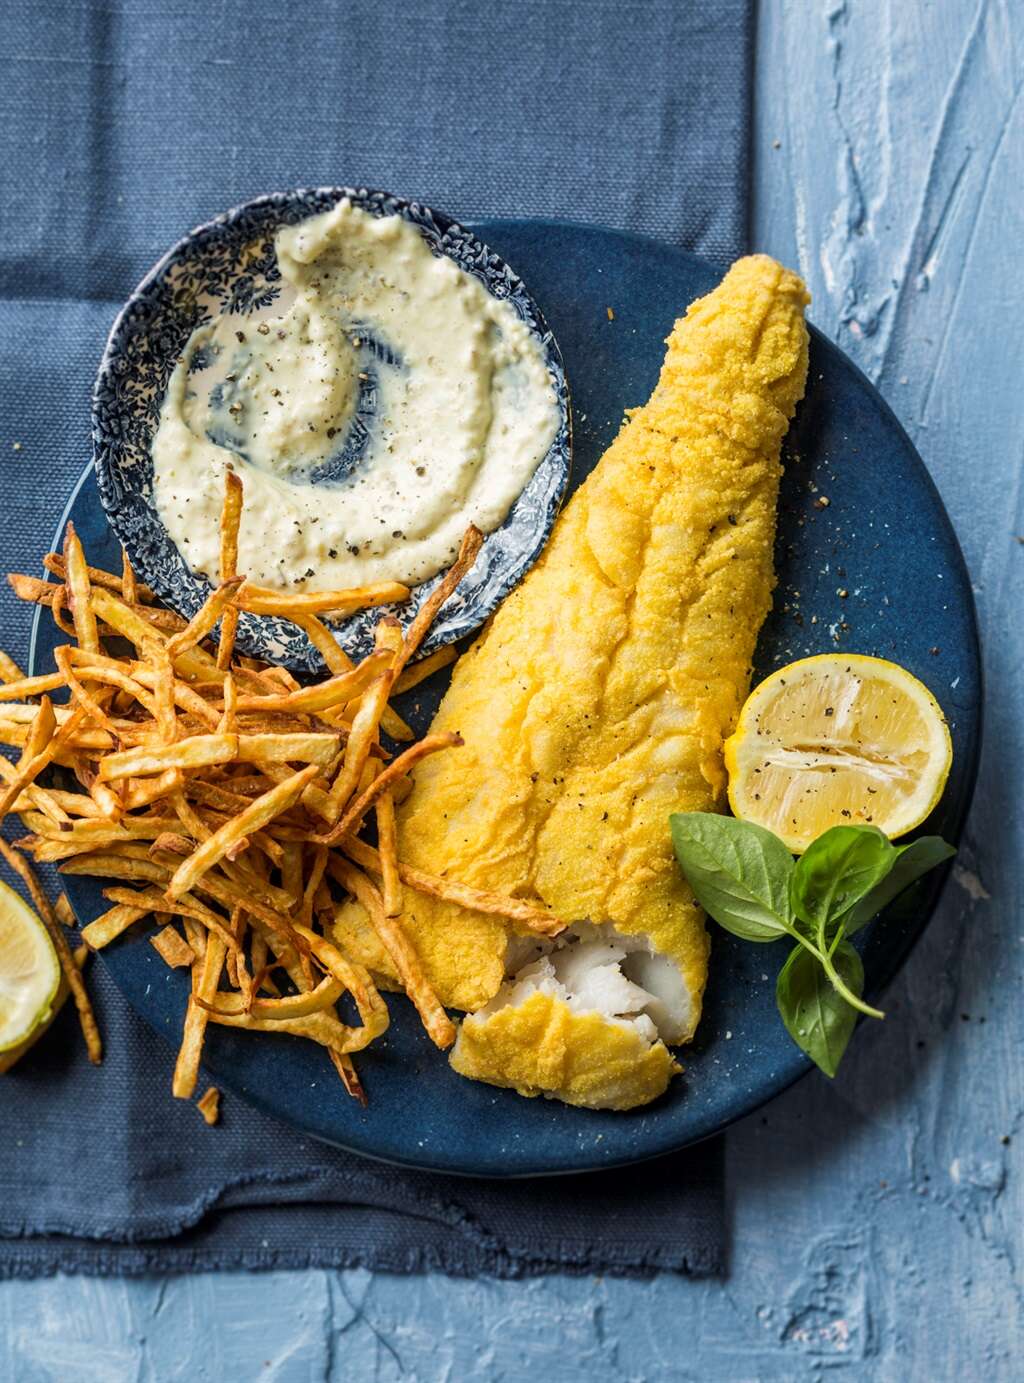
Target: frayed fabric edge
44, 1261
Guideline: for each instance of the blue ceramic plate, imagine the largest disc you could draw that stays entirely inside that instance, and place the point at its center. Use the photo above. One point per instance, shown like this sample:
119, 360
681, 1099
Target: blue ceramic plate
884, 538
229, 267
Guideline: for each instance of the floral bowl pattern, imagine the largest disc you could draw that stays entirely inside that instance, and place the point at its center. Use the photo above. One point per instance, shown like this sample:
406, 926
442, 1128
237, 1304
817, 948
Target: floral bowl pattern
229, 266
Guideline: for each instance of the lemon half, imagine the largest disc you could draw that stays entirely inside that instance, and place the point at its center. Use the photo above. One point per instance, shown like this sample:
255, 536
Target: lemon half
838, 740
29, 970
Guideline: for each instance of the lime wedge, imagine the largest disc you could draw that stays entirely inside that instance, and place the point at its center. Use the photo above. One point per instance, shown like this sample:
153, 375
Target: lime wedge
29, 970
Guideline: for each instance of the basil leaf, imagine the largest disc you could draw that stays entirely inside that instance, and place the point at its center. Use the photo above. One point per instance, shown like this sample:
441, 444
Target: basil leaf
836, 871
739, 873
911, 862
818, 1019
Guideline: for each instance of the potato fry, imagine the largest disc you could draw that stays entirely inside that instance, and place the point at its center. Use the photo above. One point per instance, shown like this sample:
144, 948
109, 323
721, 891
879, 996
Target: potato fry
172, 947
163, 696
43, 906
185, 697
260, 600
9, 669
142, 791
108, 803
139, 594
196, 936
52, 851
29, 768
312, 748
291, 872
92, 829
80, 695
38, 592
229, 716
325, 995
46, 800
95, 667
42, 729
79, 588
532, 915
387, 843
325, 1027
214, 795
58, 605
58, 804
365, 723
360, 741
135, 623
337, 691
390, 721
439, 1026
9, 1057
398, 768
228, 893
209, 1105
243, 874
371, 1007
32, 588
313, 880
238, 975
110, 925
24, 713
203, 621
335, 657
172, 843
472, 541
259, 951
252, 784
155, 900
230, 521
117, 864
205, 979
262, 811
346, 1069
264, 841
338, 661
416, 673
195, 752
319, 1027
129, 583
282, 675
64, 912
23, 687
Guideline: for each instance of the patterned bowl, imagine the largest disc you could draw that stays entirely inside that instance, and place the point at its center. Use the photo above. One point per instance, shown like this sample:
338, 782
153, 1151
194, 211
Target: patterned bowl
229, 266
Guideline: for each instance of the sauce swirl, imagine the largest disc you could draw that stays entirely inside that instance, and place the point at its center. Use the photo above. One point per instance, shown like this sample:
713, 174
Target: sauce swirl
390, 403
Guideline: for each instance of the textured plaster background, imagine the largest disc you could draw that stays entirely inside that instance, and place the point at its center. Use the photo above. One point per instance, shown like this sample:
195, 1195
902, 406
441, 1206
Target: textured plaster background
875, 1222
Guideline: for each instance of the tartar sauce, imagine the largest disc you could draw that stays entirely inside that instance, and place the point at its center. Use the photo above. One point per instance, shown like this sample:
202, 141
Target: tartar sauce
392, 403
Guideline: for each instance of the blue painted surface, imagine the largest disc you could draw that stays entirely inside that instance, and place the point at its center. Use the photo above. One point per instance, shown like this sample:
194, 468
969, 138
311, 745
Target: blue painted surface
884, 540
876, 1220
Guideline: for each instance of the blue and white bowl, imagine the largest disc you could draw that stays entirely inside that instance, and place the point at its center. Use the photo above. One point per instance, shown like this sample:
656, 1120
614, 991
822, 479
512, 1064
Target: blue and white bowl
214, 270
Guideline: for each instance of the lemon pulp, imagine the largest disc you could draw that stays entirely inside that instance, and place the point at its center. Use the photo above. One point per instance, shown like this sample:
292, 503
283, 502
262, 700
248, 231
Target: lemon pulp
29, 970
838, 740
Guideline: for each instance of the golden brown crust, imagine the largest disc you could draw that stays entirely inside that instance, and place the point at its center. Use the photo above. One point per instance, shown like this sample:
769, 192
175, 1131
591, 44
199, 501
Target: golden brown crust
541, 1047
596, 701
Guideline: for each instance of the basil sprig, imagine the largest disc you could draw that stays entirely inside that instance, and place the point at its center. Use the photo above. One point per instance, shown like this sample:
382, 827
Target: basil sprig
747, 880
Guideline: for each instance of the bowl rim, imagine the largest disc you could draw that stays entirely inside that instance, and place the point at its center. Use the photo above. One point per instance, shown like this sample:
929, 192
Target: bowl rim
253, 635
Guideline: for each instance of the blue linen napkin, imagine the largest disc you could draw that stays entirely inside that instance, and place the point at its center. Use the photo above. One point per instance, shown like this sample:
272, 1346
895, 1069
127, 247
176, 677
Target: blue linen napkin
122, 126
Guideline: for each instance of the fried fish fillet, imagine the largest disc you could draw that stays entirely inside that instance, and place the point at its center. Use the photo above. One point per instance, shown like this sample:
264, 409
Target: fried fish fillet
593, 705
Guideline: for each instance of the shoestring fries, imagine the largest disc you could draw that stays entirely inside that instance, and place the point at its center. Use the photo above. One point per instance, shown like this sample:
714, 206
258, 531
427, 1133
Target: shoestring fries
220, 801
